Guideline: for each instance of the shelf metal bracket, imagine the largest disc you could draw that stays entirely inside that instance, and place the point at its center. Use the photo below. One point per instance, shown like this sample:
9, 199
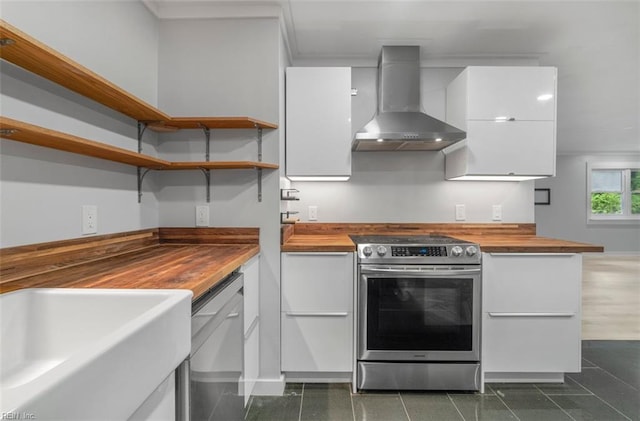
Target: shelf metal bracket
142, 126
207, 136
207, 177
259, 184
206, 172
259, 142
141, 173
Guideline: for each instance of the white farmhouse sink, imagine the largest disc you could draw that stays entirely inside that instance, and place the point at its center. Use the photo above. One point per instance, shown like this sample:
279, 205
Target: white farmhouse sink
88, 354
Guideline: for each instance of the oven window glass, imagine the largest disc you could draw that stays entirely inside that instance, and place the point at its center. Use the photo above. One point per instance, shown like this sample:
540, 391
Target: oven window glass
419, 314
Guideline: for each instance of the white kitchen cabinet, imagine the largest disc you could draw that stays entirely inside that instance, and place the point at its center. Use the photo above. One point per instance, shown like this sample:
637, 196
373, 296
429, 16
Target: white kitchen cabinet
317, 312
313, 342
318, 282
318, 122
251, 368
509, 114
531, 323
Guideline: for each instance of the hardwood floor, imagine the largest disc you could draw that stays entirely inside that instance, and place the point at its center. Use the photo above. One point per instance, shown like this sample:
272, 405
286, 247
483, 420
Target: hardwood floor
610, 297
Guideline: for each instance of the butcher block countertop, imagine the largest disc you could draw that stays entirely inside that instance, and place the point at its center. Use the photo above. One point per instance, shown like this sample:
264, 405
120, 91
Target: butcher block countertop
493, 238
325, 242
193, 259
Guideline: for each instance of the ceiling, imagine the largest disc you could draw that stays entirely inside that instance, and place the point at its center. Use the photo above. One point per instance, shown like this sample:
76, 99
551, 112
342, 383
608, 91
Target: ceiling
594, 44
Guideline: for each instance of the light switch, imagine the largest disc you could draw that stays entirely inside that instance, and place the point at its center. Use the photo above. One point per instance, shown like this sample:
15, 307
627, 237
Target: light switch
461, 213
313, 213
497, 212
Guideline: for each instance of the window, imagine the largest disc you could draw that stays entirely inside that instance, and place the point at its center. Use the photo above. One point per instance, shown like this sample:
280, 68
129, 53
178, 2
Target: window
613, 192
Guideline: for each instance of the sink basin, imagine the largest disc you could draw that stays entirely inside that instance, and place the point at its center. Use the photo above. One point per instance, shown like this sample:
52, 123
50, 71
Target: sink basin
85, 354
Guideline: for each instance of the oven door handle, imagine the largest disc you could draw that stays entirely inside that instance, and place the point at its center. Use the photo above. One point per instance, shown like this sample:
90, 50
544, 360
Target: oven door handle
430, 272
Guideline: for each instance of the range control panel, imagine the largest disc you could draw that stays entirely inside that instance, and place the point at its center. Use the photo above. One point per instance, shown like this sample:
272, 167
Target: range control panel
420, 251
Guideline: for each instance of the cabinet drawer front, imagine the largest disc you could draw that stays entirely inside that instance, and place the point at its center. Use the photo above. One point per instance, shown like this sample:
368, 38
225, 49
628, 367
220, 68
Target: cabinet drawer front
317, 282
317, 343
511, 92
251, 271
531, 344
251, 362
511, 147
531, 283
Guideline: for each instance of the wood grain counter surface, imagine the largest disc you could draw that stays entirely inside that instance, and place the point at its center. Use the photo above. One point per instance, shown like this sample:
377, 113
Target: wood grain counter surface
164, 266
493, 238
319, 243
165, 258
529, 244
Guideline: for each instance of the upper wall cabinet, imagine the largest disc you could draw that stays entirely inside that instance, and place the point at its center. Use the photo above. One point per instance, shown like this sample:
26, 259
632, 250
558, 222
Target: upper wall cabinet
318, 101
509, 114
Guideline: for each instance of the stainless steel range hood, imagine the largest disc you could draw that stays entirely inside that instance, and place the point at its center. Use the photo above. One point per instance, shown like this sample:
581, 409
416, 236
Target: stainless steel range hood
399, 125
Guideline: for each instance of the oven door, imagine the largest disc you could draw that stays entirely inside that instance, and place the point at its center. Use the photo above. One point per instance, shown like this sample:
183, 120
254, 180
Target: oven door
419, 313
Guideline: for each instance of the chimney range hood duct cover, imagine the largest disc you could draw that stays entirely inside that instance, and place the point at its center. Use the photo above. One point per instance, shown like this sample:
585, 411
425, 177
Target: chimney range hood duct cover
399, 125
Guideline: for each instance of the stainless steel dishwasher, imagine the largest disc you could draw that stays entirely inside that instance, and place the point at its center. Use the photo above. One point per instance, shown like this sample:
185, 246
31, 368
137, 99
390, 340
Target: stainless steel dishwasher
217, 350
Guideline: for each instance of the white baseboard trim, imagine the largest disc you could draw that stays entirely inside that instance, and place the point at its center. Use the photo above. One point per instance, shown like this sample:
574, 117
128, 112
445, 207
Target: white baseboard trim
331, 377
269, 387
524, 377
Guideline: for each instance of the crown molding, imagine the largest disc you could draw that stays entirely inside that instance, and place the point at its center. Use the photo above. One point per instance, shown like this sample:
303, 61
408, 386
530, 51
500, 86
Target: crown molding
176, 9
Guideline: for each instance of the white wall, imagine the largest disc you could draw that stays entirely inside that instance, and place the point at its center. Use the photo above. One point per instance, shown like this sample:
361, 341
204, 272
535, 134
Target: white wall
230, 68
566, 217
42, 190
116, 39
408, 186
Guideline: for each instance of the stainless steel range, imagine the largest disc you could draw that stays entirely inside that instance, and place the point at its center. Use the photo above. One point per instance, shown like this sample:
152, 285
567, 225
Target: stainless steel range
418, 313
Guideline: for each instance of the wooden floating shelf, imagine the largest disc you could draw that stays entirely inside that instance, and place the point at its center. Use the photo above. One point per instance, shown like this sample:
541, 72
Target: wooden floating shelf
40, 136
219, 123
36, 57
221, 165
32, 55
35, 135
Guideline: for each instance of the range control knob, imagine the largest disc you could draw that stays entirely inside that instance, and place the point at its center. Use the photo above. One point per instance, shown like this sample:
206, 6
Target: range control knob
382, 250
456, 251
471, 251
367, 251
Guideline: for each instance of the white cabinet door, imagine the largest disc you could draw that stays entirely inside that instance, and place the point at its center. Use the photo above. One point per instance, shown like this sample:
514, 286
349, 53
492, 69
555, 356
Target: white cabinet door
313, 343
511, 147
317, 282
317, 312
251, 363
529, 283
251, 271
251, 360
509, 114
531, 313
523, 93
318, 121
530, 343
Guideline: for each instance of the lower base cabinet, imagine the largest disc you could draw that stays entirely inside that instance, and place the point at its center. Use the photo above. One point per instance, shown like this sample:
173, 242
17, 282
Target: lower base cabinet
317, 312
531, 315
317, 342
531, 344
251, 363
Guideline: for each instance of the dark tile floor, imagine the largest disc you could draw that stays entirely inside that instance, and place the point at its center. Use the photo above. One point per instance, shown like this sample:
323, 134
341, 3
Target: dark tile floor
607, 389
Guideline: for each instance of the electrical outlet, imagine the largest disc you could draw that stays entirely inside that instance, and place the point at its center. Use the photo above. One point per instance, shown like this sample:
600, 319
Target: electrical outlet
202, 216
461, 213
496, 212
313, 213
89, 219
